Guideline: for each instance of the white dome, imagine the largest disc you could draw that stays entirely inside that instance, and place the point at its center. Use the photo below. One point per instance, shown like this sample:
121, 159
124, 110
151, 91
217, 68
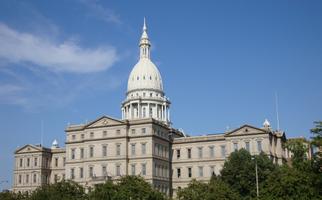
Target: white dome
145, 75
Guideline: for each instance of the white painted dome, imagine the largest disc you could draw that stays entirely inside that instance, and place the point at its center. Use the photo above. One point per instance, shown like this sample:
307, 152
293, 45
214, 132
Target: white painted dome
145, 75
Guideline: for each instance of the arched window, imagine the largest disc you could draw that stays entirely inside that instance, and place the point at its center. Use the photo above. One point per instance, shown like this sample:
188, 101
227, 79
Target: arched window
144, 112
150, 113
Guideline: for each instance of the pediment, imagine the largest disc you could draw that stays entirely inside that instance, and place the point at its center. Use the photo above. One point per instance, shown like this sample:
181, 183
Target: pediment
28, 149
246, 130
104, 121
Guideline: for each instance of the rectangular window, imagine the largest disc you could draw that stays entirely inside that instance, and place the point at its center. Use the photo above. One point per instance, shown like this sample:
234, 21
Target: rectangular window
56, 162
72, 173
212, 170
20, 162
19, 179
143, 130
156, 149
36, 162
104, 170
27, 178
91, 135
200, 152
35, 178
64, 161
189, 153
28, 162
178, 172
82, 136
212, 151
223, 151
72, 154
73, 137
247, 145
143, 148
55, 178
118, 132
104, 150
81, 172
259, 146
91, 152
133, 170
133, 131
104, 133
143, 169
133, 149
235, 146
200, 171
82, 153
189, 172
118, 149
91, 172
118, 170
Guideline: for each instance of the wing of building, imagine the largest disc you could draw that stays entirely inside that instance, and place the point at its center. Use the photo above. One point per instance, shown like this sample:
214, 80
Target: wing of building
142, 143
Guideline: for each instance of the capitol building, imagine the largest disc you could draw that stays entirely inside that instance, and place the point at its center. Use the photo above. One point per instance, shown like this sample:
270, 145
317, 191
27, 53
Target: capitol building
142, 143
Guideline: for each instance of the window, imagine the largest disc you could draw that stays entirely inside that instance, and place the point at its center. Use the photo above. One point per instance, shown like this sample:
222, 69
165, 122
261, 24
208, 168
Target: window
104, 170
118, 170
19, 179
143, 130
27, 178
82, 136
178, 172
73, 137
55, 178
143, 148
223, 151
189, 153
133, 131
72, 173
72, 154
35, 178
156, 149
118, 132
104, 133
200, 171
118, 149
81, 172
91, 135
36, 162
143, 169
189, 172
247, 146
150, 112
64, 161
20, 162
259, 146
91, 172
104, 150
82, 153
144, 109
133, 170
212, 170
235, 146
200, 152
150, 94
56, 162
212, 151
28, 162
133, 149
91, 151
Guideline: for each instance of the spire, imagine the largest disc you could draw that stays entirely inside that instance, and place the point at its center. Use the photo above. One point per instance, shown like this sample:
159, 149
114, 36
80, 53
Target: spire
144, 43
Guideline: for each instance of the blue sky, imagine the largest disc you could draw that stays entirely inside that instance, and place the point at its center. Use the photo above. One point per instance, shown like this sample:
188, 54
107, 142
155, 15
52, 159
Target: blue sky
222, 63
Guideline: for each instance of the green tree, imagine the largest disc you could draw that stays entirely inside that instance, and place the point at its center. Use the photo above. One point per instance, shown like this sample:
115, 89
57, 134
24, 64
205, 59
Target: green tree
196, 190
317, 134
289, 183
298, 147
6, 195
218, 190
239, 171
65, 190
106, 191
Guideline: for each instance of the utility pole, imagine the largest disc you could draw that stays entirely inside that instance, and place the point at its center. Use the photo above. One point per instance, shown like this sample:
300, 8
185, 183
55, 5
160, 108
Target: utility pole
257, 190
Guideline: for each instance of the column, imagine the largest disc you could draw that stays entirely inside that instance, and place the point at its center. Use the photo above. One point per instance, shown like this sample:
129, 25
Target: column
122, 113
149, 110
139, 110
169, 113
131, 112
165, 113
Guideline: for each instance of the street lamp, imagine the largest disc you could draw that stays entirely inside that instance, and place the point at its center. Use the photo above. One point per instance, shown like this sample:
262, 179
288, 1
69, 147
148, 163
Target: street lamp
256, 171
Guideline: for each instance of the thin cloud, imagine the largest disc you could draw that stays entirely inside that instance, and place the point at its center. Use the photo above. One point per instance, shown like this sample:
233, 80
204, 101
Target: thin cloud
98, 11
67, 56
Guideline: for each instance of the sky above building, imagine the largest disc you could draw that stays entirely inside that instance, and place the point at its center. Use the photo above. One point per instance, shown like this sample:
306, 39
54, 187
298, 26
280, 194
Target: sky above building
222, 64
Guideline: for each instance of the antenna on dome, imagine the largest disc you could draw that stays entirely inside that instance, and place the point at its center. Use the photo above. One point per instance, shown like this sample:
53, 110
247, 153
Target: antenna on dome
277, 115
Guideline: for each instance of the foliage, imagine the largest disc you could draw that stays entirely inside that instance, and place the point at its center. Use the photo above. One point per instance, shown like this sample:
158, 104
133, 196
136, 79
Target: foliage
239, 171
128, 187
215, 189
289, 183
65, 190
317, 132
6, 195
298, 147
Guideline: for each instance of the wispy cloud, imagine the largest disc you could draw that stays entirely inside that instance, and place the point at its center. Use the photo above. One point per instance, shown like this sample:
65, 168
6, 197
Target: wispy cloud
65, 56
98, 11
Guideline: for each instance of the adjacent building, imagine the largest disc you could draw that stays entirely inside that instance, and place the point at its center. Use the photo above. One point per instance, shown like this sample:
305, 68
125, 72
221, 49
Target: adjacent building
142, 143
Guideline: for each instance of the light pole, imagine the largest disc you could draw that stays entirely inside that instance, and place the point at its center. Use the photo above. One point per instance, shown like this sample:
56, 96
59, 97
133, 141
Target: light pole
256, 171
